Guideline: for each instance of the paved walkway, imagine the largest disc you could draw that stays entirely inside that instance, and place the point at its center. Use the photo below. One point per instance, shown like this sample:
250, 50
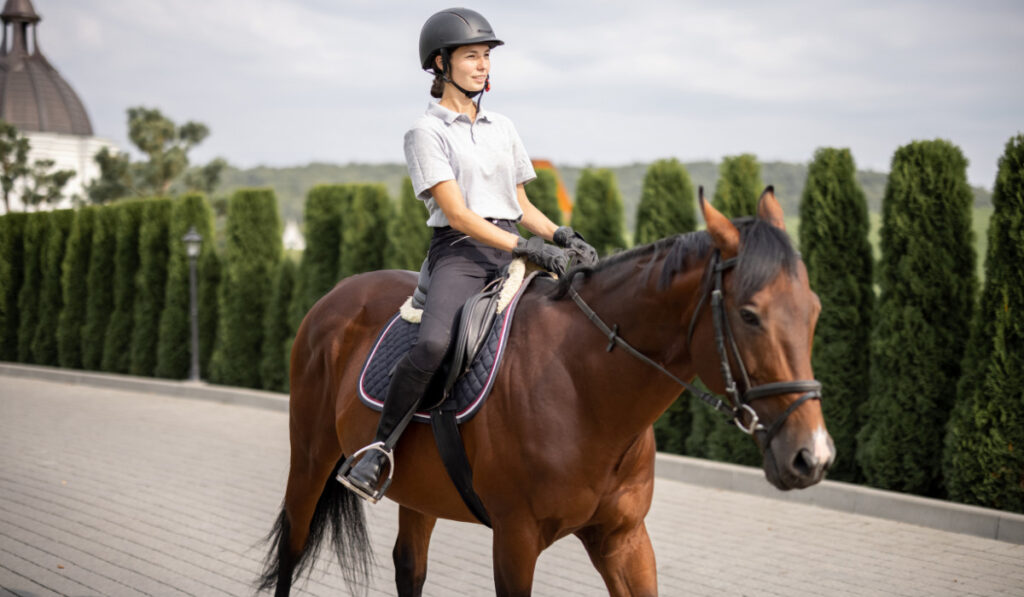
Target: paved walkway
104, 492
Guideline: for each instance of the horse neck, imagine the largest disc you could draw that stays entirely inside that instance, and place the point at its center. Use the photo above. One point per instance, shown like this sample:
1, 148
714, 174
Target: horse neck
625, 394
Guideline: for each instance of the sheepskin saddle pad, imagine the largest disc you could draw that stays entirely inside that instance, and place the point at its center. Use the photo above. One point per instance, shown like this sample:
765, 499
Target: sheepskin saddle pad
479, 341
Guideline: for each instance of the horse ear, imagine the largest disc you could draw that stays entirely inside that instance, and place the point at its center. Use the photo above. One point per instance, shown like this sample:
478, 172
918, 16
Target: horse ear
724, 235
769, 210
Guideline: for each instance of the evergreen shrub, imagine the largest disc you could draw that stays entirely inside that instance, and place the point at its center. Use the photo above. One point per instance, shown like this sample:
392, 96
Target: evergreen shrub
51, 296
74, 272
100, 300
150, 285
835, 248
277, 330
364, 230
739, 186
251, 254
667, 204
984, 445
408, 233
598, 213
927, 280
12, 273
117, 341
36, 226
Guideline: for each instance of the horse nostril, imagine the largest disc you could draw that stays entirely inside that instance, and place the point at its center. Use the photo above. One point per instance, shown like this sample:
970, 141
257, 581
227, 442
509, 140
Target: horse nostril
804, 463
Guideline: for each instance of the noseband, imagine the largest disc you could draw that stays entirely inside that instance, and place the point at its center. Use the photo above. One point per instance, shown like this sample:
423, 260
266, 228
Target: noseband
740, 398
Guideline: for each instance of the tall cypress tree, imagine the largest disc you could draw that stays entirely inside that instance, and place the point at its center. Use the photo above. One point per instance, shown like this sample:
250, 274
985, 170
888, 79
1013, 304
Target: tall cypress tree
277, 331
835, 249
927, 279
100, 300
51, 297
666, 208
598, 213
74, 272
318, 269
36, 226
543, 194
666, 203
739, 185
363, 231
174, 352
408, 233
150, 284
117, 340
251, 254
983, 457
12, 272
209, 304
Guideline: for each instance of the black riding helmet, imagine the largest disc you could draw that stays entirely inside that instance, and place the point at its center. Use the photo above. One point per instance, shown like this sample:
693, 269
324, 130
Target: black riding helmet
449, 29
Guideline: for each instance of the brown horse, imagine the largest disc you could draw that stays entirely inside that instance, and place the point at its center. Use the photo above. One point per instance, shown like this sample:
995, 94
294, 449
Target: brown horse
565, 443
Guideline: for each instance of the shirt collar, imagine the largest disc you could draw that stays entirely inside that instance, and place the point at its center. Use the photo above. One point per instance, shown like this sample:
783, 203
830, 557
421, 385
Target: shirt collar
449, 116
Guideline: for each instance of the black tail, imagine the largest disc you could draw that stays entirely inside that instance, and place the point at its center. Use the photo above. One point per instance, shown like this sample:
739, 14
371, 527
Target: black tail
339, 509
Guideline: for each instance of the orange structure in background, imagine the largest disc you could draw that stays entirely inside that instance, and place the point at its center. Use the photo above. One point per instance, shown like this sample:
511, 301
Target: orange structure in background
564, 203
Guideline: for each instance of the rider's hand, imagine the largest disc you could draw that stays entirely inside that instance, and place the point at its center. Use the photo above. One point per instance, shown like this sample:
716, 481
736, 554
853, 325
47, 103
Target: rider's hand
547, 256
568, 238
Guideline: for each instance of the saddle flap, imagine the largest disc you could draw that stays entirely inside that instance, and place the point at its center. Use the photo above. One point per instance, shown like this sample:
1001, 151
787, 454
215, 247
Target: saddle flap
474, 323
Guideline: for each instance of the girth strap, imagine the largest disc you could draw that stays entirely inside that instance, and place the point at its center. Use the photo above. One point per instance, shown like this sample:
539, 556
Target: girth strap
453, 455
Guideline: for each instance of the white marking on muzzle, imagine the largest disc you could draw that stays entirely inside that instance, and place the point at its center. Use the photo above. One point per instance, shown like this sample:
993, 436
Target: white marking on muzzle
820, 449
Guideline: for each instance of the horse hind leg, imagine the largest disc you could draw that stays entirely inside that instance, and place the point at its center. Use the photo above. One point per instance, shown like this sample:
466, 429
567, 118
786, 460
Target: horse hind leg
410, 553
315, 505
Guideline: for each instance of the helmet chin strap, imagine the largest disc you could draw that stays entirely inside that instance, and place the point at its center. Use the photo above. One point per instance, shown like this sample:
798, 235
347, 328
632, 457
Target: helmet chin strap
447, 69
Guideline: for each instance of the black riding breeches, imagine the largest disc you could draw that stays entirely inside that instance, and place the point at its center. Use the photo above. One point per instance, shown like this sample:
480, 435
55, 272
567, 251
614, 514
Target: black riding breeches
459, 268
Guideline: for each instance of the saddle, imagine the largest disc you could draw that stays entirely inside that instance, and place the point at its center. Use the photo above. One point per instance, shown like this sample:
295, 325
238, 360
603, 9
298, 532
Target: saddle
479, 339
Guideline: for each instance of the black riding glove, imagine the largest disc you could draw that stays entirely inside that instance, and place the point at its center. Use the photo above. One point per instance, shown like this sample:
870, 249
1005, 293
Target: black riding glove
568, 238
549, 257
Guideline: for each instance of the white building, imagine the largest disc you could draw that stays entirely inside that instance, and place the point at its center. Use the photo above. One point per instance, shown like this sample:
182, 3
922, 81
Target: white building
41, 104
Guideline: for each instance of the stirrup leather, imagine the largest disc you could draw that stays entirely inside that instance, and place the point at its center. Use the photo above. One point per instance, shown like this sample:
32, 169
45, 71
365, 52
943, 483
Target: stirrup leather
343, 471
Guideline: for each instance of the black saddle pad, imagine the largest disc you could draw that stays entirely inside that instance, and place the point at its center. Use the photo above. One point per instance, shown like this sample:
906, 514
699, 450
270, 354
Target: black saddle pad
471, 389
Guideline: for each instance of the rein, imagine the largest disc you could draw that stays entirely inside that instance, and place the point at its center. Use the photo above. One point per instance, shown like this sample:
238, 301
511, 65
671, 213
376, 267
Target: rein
740, 399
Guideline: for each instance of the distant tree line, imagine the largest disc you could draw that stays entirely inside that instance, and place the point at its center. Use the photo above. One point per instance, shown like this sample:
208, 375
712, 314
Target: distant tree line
922, 379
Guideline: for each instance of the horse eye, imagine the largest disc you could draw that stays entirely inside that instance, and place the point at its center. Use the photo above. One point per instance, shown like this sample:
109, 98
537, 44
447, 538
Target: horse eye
749, 317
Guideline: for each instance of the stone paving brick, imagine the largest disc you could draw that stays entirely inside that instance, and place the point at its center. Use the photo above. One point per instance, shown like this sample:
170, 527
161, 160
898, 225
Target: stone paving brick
157, 492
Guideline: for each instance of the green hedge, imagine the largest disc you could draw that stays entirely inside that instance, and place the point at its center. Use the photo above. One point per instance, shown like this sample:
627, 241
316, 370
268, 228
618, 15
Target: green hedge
100, 290
543, 194
12, 272
667, 204
597, 214
150, 283
739, 185
364, 231
253, 249
984, 447
318, 270
174, 352
117, 341
277, 332
74, 271
835, 248
51, 295
36, 225
408, 233
928, 281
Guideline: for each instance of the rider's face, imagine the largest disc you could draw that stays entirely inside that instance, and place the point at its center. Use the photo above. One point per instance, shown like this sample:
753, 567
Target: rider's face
470, 66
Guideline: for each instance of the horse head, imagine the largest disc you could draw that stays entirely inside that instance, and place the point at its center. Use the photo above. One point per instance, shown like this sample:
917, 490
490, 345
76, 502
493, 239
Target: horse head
763, 328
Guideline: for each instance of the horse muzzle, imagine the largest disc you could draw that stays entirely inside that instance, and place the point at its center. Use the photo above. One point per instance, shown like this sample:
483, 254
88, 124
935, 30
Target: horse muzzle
801, 465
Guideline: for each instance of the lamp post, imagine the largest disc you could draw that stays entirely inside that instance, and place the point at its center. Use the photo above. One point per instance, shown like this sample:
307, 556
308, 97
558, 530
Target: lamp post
193, 242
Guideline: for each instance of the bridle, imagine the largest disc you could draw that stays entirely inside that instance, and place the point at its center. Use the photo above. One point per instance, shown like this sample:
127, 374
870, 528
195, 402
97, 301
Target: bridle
739, 398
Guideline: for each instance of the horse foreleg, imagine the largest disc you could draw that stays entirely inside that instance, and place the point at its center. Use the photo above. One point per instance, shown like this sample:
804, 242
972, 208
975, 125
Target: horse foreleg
515, 551
410, 553
624, 557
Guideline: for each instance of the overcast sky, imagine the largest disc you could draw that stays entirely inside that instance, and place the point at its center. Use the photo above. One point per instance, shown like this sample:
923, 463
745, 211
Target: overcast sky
286, 82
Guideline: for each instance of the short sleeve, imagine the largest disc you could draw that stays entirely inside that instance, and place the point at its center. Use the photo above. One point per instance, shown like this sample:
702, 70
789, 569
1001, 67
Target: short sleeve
427, 161
523, 166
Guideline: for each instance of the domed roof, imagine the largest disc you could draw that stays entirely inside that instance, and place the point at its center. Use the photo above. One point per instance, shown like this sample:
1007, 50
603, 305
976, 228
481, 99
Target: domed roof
33, 95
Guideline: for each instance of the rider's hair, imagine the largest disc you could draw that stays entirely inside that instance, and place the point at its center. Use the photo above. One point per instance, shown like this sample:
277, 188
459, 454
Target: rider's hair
437, 87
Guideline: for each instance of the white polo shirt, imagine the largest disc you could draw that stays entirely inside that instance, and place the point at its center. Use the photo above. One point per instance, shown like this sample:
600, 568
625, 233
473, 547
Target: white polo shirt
485, 158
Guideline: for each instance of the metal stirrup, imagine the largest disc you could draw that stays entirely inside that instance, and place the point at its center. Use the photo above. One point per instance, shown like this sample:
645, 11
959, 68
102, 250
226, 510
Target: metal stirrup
350, 461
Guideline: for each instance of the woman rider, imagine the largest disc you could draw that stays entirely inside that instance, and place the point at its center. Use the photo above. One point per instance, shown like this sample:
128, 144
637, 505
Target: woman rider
469, 166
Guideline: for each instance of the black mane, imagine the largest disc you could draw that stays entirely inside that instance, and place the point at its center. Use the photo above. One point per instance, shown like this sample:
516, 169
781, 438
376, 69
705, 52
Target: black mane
764, 251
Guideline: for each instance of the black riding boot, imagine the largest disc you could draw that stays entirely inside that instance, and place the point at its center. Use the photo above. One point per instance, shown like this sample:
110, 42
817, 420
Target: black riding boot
408, 386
